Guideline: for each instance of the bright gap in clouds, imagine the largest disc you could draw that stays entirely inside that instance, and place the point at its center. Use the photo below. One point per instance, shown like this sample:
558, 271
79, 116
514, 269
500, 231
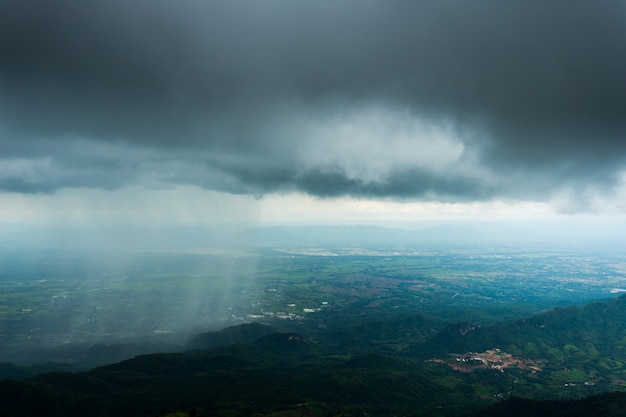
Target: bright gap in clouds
299, 208
193, 206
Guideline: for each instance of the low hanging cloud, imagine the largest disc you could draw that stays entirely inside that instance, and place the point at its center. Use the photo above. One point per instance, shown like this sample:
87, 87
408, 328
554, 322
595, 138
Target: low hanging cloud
432, 100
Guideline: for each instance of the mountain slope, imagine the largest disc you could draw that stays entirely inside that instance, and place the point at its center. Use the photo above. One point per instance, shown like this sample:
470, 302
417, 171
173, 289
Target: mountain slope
575, 351
219, 385
594, 330
390, 336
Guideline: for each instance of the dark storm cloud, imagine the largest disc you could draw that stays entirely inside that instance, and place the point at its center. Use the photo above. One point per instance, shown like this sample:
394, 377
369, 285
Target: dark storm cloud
535, 91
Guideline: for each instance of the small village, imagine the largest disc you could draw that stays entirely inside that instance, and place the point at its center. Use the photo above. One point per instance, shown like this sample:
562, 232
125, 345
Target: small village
489, 359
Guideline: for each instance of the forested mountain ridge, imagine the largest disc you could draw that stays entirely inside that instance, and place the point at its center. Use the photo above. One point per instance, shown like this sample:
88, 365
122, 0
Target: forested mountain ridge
213, 384
375, 367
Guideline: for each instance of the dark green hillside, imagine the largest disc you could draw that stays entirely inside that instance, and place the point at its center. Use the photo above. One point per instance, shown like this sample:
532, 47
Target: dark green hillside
27, 400
389, 336
153, 385
605, 405
274, 349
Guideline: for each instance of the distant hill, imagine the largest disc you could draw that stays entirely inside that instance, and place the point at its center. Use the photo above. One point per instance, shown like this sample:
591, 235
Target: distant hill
433, 233
87, 356
17, 372
243, 333
116, 238
274, 349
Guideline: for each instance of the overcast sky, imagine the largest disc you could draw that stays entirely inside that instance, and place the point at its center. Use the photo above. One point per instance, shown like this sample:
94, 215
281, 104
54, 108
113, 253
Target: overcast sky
326, 110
